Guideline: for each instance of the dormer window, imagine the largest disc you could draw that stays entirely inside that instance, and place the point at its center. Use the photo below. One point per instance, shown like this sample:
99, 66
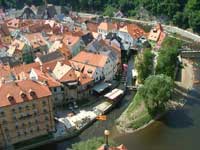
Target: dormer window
32, 93
154, 30
10, 98
22, 94
89, 71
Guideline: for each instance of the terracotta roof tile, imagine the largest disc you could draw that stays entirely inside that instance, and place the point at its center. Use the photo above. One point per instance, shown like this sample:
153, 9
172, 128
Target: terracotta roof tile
13, 89
54, 38
51, 82
97, 60
5, 72
70, 40
134, 30
13, 23
24, 68
69, 76
107, 26
85, 69
36, 40
83, 78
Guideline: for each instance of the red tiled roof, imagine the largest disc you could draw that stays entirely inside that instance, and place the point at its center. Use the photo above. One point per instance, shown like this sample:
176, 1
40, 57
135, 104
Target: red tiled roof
84, 79
49, 66
54, 38
25, 68
65, 51
15, 88
135, 31
97, 60
107, 26
13, 23
36, 40
51, 82
70, 39
69, 76
92, 27
5, 71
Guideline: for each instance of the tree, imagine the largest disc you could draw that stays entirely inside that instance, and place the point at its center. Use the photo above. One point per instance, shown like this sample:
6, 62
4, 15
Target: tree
109, 11
168, 57
181, 20
144, 65
156, 92
192, 9
195, 21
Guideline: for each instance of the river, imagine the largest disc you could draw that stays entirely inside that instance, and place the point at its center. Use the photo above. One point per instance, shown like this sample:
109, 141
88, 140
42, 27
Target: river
177, 130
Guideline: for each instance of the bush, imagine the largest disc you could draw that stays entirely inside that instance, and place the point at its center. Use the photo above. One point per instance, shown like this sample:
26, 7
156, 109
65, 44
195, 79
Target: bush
91, 144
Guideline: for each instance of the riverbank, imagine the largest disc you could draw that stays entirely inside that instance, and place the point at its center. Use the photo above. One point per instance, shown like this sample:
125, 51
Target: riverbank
136, 116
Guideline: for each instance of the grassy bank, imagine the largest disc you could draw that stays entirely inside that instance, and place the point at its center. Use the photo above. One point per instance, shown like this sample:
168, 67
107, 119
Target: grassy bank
135, 116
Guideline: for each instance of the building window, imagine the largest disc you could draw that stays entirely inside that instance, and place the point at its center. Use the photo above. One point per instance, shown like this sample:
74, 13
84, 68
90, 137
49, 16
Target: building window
6, 129
20, 108
62, 89
27, 107
16, 126
33, 105
2, 113
18, 134
25, 133
44, 103
13, 110
4, 121
44, 110
46, 118
31, 131
36, 121
55, 89
35, 113
14, 118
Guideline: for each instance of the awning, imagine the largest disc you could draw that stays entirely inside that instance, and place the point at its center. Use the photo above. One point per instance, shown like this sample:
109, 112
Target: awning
114, 94
101, 87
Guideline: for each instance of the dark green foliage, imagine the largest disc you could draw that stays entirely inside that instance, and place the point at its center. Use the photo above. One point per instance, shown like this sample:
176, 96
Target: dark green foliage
167, 58
183, 13
109, 11
91, 144
155, 92
181, 20
144, 65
